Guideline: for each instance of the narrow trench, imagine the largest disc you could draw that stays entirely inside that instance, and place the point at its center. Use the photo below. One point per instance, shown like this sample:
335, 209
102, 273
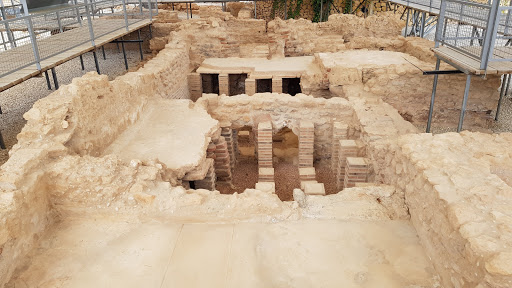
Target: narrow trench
285, 157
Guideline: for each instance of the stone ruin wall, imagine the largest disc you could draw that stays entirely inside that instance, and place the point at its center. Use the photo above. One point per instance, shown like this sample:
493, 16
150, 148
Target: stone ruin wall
244, 110
81, 118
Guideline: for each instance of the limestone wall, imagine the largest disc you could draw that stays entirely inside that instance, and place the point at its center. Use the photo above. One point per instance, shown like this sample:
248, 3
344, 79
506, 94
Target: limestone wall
456, 187
284, 111
80, 118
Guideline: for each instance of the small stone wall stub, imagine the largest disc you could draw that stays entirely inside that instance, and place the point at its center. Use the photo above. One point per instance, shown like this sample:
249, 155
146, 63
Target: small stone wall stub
224, 84
306, 143
264, 139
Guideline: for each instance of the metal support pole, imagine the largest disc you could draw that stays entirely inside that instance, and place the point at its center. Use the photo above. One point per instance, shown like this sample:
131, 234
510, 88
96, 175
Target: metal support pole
124, 55
79, 19
140, 46
96, 61
55, 81
255, 15
433, 97
82, 62
285, 10
150, 33
125, 15
422, 29
407, 22
464, 102
6, 24
89, 23
48, 83
103, 51
59, 22
151, 9
3, 40
35, 49
503, 92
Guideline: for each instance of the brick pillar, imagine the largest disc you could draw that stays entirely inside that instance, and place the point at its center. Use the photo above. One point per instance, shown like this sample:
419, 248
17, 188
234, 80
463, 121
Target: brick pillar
277, 85
356, 171
306, 143
222, 161
347, 148
264, 139
227, 133
250, 86
224, 84
195, 86
339, 132
208, 182
235, 144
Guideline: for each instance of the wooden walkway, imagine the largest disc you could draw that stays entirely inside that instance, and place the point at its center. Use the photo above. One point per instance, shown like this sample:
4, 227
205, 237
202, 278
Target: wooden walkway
471, 65
60, 48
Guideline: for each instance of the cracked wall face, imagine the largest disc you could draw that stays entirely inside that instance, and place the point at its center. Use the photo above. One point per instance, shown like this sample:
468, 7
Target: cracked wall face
453, 188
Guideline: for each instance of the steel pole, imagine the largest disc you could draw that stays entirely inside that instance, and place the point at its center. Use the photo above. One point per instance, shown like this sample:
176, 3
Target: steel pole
464, 103
503, 92
125, 15
433, 97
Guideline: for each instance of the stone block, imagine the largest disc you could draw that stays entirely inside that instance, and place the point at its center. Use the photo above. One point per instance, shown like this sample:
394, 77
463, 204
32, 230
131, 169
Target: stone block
266, 187
314, 189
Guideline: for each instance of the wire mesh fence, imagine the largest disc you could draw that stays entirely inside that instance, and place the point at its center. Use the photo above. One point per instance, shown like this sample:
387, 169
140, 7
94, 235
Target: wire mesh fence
27, 40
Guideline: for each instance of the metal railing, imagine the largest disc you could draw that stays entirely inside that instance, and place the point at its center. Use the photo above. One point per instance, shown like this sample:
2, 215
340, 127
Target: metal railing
480, 31
29, 39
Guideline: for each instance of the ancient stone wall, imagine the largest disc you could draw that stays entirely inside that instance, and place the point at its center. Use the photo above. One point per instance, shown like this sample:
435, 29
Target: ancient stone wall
284, 111
80, 118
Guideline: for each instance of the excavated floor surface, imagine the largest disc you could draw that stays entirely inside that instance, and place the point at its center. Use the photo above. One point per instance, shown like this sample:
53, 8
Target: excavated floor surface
306, 253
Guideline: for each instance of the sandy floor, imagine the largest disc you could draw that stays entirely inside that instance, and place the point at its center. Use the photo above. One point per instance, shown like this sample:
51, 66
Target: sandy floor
325, 175
307, 253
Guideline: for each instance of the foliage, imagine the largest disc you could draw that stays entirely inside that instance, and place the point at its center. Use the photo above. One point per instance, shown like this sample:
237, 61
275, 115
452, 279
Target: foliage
293, 7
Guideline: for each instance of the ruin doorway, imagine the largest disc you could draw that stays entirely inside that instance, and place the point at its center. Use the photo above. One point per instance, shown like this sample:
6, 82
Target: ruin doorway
245, 172
237, 84
285, 152
291, 86
263, 85
210, 83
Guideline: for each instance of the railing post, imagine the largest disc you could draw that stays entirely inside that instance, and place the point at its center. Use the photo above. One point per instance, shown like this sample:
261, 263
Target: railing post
150, 10
33, 39
140, 8
89, 23
12, 42
440, 24
59, 22
125, 15
79, 19
490, 35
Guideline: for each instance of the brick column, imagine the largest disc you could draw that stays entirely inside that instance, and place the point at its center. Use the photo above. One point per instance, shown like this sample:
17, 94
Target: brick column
339, 132
347, 148
277, 85
195, 86
356, 171
208, 182
224, 84
264, 139
250, 86
222, 161
227, 133
306, 143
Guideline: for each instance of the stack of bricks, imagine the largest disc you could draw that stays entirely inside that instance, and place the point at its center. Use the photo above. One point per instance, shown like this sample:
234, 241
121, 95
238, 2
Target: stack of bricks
224, 84
208, 182
307, 174
195, 86
227, 133
339, 132
277, 85
306, 143
356, 171
265, 174
222, 162
347, 148
264, 139
250, 86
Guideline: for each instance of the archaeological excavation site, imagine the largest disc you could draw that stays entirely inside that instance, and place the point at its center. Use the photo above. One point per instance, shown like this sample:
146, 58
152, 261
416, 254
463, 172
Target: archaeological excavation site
233, 144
